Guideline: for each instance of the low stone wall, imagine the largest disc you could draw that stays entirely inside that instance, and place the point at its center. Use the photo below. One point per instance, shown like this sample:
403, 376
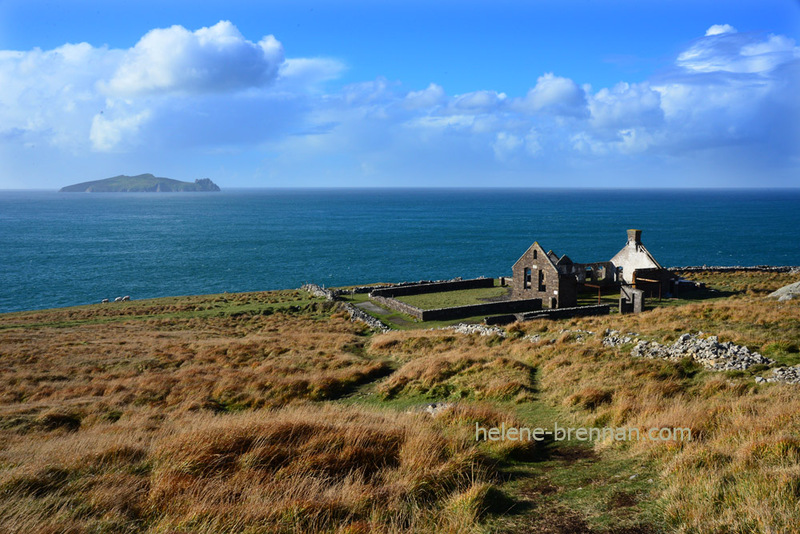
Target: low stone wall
434, 287
460, 312
489, 308
356, 314
558, 313
396, 305
564, 313
577, 311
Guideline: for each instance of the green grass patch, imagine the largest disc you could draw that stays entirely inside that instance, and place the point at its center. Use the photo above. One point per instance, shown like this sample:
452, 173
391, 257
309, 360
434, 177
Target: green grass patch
450, 299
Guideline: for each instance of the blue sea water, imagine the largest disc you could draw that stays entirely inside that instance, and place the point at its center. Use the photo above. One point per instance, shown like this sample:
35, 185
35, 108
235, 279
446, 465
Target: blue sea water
61, 249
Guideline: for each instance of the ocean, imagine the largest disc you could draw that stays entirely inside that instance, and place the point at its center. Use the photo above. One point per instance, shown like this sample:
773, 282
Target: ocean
63, 249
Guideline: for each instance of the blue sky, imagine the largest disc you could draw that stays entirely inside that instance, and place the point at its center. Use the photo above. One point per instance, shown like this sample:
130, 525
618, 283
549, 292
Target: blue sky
504, 93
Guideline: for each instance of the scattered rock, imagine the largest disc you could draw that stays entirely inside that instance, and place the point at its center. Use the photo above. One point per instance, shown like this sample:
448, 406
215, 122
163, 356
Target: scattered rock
433, 409
785, 375
709, 352
464, 328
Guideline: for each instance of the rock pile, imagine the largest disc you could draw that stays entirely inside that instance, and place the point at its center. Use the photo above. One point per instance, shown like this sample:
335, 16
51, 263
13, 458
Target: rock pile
708, 352
787, 375
613, 338
464, 328
319, 291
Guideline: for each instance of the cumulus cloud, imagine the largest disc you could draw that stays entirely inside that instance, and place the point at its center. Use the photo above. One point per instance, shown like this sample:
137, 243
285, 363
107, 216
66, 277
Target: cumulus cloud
214, 59
479, 100
308, 73
727, 93
427, 98
107, 134
554, 94
78, 97
626, 105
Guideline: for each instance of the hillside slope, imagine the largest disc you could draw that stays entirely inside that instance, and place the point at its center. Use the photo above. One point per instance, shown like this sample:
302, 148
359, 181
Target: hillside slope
272, 412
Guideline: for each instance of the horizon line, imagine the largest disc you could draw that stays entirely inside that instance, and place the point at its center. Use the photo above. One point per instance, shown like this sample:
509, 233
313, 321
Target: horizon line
442, 187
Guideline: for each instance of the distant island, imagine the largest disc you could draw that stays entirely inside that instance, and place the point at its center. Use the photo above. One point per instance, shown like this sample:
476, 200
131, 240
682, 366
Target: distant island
143, 183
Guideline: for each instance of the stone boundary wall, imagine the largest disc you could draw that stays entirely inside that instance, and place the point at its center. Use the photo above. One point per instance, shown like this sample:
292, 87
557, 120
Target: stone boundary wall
558, 313
396, 305
756, 268
563, 313
370, 289
460, 312
356, 314
434, 287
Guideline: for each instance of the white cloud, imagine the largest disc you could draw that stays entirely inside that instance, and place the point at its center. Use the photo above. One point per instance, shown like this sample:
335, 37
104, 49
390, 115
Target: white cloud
107, 134
626, 105
78, 97
718, 29
727, 94
214, 59
429, 97
479, 101
554, 94
506, 145
733, 52
308, 73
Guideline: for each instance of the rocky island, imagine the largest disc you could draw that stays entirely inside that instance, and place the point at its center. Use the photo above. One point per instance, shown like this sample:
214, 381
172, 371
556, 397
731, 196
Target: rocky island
142, 183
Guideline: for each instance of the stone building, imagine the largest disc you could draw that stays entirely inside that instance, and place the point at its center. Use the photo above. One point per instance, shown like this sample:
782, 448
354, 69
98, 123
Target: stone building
639, 269
540, 274
556, 280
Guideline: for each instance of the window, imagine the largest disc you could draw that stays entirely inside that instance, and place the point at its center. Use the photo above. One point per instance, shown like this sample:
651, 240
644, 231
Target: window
589, 276
542, 287
534, 254
527, 278
601, 272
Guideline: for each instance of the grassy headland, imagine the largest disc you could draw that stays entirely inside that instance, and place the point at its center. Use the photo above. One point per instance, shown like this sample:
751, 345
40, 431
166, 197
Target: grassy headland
272, 412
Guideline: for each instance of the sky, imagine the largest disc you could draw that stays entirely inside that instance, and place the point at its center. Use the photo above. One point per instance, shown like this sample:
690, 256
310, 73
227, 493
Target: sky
507, 93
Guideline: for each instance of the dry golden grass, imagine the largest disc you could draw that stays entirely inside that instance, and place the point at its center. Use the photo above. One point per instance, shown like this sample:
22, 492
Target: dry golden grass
441, 365
296, 469
212, 415
198, 423
92, 370
741, 471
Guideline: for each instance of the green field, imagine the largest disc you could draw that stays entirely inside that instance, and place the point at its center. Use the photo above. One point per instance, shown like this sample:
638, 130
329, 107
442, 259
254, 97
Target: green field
450, 299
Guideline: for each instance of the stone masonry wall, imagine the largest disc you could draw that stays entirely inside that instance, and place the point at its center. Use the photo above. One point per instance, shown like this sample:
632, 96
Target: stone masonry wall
460, 312
394, 304
435, 287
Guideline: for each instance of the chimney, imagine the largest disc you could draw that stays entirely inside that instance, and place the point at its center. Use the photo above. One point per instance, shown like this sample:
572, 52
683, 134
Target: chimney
634, 237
